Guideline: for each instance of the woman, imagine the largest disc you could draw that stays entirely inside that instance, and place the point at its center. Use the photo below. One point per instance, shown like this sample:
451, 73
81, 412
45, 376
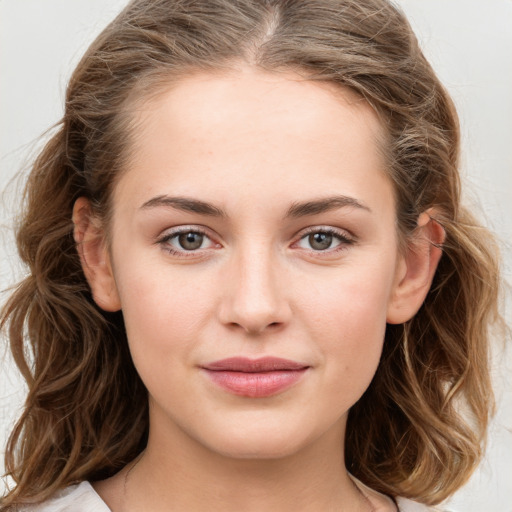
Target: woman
253, 285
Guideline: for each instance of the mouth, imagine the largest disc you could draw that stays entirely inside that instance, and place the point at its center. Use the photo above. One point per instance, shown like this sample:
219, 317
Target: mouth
255, 378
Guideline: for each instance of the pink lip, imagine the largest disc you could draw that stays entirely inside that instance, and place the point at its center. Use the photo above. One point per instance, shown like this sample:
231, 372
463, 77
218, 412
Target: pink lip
255, 378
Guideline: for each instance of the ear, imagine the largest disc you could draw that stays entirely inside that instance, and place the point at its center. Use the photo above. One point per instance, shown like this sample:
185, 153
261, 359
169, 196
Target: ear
94, 256
416, 269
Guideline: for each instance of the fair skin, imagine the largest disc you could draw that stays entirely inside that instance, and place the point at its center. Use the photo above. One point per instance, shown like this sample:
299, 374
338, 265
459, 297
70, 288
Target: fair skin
294, 256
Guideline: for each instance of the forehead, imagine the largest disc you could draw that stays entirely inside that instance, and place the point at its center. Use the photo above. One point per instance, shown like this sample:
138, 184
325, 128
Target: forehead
277, 133
245, 96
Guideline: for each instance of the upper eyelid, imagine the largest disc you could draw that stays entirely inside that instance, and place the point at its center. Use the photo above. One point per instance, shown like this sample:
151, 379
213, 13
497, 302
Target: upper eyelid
343, 233
195, 228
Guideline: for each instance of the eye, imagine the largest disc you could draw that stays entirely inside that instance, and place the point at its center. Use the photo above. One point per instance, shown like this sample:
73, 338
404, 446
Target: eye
189, 241
321, 241
324, 239
186, 240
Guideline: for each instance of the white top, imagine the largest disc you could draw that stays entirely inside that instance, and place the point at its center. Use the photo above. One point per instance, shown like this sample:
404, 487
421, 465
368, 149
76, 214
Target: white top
83, 498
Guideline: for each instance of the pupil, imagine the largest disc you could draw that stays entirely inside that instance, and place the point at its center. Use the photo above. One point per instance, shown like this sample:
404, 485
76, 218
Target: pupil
190, 241
320, 241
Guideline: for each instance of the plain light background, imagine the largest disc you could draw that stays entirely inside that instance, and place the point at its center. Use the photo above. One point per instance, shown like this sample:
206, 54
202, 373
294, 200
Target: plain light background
469, 43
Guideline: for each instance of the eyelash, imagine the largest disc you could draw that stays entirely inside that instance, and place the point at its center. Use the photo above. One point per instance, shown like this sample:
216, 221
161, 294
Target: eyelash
342, 237
164, 241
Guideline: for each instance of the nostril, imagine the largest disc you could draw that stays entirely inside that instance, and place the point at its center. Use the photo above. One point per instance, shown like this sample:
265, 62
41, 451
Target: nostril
253, 328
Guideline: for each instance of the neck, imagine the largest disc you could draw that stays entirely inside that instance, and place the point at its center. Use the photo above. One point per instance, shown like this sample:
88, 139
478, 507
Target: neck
178, 473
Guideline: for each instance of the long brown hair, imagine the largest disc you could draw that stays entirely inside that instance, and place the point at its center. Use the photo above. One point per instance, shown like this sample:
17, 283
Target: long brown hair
418, 429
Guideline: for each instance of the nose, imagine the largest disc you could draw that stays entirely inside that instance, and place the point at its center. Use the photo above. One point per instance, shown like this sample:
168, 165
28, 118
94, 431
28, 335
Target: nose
254, 297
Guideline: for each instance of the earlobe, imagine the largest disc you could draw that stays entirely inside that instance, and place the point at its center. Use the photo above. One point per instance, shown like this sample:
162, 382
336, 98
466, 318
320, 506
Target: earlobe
416, 270
94, 256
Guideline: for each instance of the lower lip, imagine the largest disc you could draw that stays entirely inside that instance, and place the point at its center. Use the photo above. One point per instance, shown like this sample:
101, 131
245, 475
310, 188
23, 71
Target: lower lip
255, 385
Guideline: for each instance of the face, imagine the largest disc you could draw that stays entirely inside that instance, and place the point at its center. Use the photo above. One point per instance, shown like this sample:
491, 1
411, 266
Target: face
254, 256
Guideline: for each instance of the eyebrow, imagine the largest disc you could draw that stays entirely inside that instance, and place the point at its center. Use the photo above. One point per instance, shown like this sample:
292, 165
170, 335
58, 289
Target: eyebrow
296, 209
184, 204
324, 205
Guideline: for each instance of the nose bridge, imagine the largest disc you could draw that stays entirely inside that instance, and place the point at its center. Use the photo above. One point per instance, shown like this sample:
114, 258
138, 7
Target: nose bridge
255, 298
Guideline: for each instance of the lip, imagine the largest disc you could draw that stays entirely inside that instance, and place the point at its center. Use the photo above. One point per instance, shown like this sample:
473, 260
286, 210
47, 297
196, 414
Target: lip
255, 378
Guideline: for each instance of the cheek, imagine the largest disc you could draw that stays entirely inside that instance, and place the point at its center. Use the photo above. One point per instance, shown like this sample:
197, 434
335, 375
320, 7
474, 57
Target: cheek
163, 316
163, 310
352, 300
348, 321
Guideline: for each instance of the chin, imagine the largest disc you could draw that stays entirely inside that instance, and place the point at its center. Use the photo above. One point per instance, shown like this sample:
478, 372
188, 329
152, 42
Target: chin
259, 442
257, 449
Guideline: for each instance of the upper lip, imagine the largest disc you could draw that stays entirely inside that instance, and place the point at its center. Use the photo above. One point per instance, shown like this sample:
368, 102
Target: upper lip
247, 365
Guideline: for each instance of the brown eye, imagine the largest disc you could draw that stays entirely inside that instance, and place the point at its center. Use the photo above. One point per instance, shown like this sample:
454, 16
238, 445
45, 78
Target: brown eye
325, 239
190, 240
186, 241
320, 241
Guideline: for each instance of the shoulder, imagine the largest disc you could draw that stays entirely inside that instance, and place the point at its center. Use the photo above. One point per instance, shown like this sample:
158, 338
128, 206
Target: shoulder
75, 498
405, 505
382, 503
